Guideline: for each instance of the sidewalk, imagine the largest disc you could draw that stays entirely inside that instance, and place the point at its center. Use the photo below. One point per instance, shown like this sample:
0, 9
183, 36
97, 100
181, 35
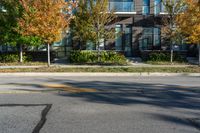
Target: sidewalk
130, 65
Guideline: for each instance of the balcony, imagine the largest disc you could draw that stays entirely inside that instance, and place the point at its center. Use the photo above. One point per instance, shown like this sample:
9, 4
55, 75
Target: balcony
122, 7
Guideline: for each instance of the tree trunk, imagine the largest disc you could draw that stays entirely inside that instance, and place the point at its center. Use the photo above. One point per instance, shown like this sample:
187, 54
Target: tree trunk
99, 58
48, 54
199, 53
171, 41
20, 53
171, 53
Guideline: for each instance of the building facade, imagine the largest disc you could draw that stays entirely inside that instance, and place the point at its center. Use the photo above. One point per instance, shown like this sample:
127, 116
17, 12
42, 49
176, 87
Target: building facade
140, 22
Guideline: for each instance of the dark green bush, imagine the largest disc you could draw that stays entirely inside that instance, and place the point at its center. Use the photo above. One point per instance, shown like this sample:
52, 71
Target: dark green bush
179, 58
4, 58
91, 57
159, 57
27, 58
165, 57
8, 58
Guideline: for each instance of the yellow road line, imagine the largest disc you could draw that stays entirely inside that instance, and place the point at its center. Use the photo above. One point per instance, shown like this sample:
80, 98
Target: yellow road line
54, 87
68, 88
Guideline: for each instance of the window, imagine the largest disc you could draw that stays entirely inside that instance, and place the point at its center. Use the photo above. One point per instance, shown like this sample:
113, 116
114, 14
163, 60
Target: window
150, 39
128, 40
157, 7
118, 37
122, 5
157, 40
146, 40
146, 7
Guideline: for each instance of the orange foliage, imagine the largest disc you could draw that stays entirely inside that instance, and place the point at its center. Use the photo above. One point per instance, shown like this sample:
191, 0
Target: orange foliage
46, 19
189, 21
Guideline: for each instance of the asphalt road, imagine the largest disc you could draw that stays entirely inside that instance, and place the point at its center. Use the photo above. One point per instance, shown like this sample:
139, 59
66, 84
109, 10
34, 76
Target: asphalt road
99, 104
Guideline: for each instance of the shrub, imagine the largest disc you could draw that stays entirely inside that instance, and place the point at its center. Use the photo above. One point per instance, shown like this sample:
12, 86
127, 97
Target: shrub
159, 57
4, 58
11, 57
164, 57
27, 58
91, 57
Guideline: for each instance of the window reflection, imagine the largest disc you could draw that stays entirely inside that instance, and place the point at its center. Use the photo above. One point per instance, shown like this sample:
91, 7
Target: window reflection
146, 7
121, 5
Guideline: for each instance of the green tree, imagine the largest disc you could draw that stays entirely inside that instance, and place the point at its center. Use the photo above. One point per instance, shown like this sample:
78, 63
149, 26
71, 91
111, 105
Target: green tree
46, 19
92, 20
169, 31
10, 13
81, 25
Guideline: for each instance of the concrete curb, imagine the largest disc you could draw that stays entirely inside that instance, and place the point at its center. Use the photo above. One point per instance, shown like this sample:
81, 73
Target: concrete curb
89, 74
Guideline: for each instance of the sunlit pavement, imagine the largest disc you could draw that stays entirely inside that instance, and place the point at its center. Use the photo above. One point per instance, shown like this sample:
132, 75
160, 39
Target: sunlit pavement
99, 104
21, 118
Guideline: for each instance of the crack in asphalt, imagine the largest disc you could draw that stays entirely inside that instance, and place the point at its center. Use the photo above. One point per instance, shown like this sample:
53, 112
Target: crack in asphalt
44, 113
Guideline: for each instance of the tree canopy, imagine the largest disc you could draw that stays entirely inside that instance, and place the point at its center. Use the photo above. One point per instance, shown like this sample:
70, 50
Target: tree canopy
12, 11
169, 30
81, 26
189, 21
91, 21
46, 19
173, 8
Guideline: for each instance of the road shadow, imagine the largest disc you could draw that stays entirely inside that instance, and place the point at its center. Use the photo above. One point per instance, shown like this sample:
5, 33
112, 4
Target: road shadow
187, 122
123, 93
158, 95
132, 93
119, 93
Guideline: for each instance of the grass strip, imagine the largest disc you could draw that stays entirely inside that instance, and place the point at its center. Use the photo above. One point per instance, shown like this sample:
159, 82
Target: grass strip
24, 64
189, 69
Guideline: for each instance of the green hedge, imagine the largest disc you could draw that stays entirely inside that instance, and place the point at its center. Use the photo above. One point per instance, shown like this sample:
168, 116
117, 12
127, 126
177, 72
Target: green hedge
165, 57
8, 58
91, 57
